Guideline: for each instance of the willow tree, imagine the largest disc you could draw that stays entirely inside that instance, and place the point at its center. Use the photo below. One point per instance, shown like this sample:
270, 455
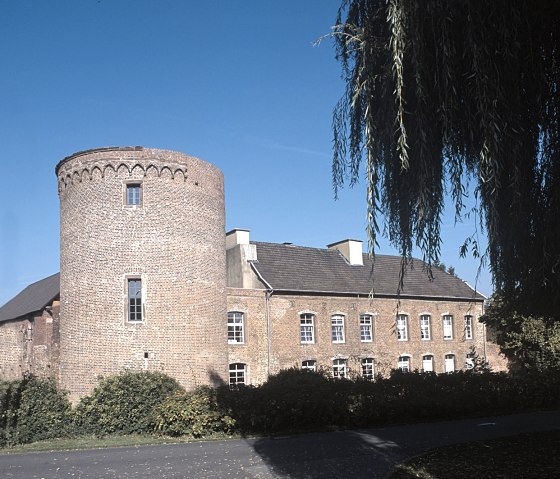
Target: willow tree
440, 93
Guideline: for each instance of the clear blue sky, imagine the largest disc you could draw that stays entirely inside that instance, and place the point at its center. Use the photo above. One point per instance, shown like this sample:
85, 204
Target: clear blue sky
236, 83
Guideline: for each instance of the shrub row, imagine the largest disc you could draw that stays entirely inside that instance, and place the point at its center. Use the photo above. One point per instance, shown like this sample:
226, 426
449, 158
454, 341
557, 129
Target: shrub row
296, 400
293, 400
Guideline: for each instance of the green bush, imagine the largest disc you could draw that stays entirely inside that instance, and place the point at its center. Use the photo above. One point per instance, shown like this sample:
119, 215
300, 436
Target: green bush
33, 409
44, 412
10, 398
124, 404
195, 413
292, 400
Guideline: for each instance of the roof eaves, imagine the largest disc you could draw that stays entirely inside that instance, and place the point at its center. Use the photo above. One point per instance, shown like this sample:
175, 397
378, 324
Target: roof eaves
379, 295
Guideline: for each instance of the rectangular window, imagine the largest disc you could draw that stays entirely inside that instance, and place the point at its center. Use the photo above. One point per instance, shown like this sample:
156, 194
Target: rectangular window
339, 368
448, 327
449, 363
425, 333
402, 327
468, 327
134, 300
366, 328
133, 194
428, 363
236, 374
306, 328
404, 364
368, 371
309, 365
235, 328
337, 328
469, 362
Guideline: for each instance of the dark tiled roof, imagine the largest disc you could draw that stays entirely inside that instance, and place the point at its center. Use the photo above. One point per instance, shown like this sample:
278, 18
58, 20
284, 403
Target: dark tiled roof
299, 269
33, 298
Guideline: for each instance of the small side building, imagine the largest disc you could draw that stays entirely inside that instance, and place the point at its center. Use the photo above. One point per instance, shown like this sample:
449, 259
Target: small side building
29, 340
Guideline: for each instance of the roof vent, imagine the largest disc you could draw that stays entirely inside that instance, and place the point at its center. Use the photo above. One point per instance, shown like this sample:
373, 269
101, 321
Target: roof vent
351, 250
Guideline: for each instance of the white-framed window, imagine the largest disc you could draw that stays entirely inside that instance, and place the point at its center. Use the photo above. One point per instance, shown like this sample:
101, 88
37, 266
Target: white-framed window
133, 195
468, 327
235, 329
339, 368
402, 327
309, 365
134, 300
449, 363
368, 368
469, 361
448, 327
337, 328
428, 363
404, 363
366, 328
425, 332
307, 328
237, 374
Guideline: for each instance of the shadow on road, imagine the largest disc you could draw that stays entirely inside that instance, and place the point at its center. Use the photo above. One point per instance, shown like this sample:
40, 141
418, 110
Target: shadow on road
352, 454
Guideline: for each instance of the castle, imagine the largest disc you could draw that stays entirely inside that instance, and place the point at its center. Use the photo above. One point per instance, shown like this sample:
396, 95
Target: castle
149, 279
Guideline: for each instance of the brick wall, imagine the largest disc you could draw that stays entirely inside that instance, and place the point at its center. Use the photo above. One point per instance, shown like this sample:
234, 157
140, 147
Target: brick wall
30, 345
174, 242
14, 348
286, 349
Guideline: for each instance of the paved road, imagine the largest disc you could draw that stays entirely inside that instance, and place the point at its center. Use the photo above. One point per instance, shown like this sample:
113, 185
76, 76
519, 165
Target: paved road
349, 454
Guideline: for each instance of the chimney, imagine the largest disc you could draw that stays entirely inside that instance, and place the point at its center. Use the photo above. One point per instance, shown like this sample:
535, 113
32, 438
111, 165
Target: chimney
351, 250
239, 255
236, 236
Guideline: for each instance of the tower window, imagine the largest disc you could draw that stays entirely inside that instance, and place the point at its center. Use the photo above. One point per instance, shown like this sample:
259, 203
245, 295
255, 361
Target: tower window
133, 194
135, 300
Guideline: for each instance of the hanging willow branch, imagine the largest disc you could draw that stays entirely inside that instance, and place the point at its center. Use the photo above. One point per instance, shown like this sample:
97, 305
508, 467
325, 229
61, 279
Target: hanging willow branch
441, 92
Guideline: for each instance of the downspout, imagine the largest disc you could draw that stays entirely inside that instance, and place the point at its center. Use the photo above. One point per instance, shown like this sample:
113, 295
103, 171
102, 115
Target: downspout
267, 295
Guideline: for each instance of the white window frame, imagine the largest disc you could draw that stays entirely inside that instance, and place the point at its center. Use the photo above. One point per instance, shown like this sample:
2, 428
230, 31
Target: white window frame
425, 327
339, 368
404, 363
449, 363
337, 328
366, 328
368, 368
402, 327
309, 365
428, 359
237, 374
307, 328
469, 361
447, 321
236, 327
468, 326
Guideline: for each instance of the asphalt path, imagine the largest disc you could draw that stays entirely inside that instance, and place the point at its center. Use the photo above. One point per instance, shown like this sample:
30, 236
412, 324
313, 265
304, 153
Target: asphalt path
368, 453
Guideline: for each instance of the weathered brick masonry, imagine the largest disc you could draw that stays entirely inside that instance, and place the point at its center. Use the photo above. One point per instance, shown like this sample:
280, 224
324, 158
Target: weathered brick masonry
173, 242
286, 349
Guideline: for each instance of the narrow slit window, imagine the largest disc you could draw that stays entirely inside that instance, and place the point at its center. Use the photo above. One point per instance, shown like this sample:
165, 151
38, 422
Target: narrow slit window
135, 300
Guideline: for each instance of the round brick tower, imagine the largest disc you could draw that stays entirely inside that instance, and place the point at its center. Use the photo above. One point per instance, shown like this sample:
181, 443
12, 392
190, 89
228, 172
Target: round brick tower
142, 267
